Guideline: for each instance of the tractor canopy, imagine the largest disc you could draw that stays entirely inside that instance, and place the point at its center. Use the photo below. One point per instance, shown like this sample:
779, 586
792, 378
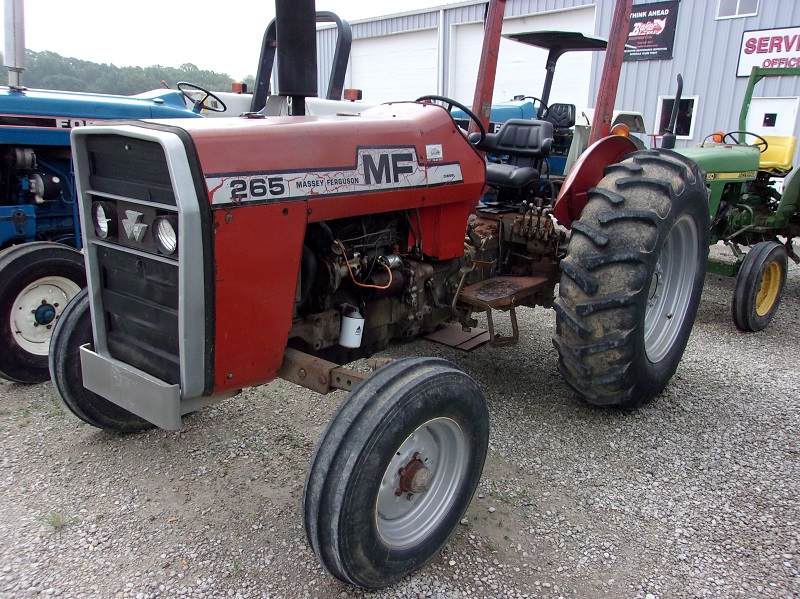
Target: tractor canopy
557, 43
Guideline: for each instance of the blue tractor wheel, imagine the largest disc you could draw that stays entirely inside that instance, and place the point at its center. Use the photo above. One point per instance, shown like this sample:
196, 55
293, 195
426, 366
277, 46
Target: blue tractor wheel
37, 281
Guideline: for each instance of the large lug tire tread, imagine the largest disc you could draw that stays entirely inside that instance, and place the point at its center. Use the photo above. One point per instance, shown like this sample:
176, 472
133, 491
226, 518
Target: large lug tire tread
349, 461
21, 265
73, 330
606, 276
748, 283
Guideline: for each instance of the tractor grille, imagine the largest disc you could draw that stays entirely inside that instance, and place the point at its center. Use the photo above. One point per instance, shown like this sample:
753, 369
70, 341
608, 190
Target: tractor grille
139, 288
129, 167
140, 306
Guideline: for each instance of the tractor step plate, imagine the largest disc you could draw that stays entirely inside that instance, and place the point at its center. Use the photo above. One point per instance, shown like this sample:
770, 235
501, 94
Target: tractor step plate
500, 293
456, 336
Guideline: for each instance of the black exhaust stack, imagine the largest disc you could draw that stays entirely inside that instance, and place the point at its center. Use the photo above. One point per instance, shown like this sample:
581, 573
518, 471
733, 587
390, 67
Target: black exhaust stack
297, 51
668, 142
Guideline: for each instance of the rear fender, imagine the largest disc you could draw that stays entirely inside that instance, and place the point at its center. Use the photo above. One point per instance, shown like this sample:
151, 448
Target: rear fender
586, 173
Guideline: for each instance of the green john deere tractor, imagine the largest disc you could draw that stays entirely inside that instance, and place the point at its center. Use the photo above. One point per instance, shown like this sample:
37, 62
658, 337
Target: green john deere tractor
746, 210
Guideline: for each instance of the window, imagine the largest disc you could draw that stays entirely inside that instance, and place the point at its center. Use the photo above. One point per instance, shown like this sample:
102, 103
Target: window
730, 9
684, 125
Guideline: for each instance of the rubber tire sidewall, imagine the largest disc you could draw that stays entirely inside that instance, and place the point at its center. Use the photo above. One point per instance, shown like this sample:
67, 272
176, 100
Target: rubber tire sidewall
21, 265
748, 283
73, 330
654, 376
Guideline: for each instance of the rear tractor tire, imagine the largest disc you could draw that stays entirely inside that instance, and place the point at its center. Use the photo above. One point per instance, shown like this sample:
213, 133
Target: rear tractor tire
74, 329
395, 470
37, 281
632, 279
759, 285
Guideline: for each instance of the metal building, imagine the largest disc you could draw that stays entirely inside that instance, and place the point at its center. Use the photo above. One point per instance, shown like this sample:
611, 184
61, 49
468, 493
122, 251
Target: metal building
403, 56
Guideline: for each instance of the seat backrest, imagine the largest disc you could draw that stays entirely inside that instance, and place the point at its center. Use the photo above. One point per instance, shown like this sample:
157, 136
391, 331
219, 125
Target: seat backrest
561, 115
521, 138
778, 156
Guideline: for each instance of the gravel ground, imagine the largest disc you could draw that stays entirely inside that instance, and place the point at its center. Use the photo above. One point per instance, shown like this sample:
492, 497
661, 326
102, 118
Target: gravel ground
695, 495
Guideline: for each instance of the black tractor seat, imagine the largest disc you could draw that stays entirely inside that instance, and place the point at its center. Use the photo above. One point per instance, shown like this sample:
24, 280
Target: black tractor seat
561, 115
526, 143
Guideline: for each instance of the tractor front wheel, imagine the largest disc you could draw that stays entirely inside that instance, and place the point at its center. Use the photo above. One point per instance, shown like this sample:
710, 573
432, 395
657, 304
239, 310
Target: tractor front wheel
37, 281
632, 279
74, 329
395, 470
759, 285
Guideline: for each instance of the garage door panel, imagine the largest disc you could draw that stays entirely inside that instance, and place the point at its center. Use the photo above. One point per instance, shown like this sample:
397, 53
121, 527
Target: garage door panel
395, 67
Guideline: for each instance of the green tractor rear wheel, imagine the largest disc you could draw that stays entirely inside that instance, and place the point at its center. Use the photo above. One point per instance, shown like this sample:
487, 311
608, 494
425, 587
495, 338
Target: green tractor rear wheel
759, 286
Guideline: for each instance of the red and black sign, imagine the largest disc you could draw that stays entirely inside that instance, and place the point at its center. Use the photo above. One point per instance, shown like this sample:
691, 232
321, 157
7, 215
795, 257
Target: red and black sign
652, 31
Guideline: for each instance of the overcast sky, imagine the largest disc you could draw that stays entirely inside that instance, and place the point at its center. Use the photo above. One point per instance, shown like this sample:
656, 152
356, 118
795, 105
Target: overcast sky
222, 35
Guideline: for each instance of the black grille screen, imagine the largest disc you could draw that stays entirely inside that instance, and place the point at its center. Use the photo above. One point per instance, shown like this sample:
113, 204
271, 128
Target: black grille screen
129, 167
140, 303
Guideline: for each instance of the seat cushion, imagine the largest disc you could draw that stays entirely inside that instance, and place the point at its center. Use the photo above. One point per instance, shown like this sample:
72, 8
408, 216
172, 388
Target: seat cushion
508, 175
777, 159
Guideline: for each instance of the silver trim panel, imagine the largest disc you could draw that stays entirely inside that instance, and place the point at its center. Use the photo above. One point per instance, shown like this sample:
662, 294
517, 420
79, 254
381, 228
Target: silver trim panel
132, 389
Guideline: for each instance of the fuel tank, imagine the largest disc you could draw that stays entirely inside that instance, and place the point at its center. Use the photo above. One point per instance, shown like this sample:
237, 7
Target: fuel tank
724, 158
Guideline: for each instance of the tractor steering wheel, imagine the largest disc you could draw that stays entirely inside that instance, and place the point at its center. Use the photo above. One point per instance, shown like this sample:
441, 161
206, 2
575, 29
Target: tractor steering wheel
450, 103
761, 143
542, 105
198, 105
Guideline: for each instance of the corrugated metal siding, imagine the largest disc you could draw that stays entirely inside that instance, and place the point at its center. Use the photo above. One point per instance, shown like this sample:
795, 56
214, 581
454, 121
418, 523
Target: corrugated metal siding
397, 24
326, 47
706, 53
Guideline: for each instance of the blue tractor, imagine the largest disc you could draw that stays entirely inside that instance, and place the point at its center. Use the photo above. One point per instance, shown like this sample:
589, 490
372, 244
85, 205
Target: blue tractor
41, 267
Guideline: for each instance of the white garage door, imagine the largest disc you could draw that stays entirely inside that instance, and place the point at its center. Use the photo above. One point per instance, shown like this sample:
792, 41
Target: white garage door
395, 67
520, 68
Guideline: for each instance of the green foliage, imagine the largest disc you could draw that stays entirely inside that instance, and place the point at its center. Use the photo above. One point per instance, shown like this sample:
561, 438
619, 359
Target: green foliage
58, 520
48, 70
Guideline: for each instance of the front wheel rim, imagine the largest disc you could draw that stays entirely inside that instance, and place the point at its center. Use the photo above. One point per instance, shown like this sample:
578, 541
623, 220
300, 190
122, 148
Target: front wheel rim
36, 309
769, 288
405, 518
671, 288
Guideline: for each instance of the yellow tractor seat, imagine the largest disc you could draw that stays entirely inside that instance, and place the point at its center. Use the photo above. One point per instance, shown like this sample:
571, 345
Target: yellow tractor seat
777, 159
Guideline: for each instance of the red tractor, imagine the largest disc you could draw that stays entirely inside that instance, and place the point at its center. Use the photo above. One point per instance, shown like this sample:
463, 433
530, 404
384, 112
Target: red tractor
224, 253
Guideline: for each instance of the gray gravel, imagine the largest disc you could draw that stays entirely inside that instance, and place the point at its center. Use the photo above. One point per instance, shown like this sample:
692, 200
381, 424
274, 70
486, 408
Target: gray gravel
695, 495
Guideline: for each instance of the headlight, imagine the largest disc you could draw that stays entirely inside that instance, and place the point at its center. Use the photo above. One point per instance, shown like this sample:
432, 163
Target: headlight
165, 232
104, 216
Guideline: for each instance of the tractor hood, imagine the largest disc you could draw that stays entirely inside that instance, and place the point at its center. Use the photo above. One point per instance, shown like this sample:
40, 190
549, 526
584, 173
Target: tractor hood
722, 160
51, 114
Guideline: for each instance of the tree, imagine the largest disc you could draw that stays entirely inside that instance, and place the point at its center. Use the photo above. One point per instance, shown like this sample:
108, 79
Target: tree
48, 70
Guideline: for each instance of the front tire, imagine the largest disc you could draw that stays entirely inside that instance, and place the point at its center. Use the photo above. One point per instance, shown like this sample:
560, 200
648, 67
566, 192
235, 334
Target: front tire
395, 470
37, 281
759, 285
632, 279
74, 329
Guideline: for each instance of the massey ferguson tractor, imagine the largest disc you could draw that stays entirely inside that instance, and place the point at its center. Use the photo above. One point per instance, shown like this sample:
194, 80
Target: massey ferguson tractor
41, 267
223, 253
